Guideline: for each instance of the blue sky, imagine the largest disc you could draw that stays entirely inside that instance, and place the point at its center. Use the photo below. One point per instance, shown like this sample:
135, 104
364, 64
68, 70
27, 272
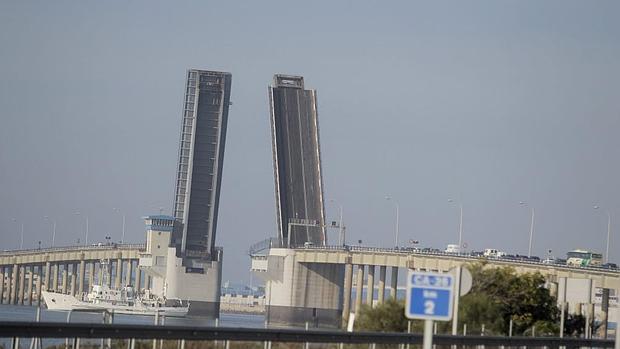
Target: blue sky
486, 102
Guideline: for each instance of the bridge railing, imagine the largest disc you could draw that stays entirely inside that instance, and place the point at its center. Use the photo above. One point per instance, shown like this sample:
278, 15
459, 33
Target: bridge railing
465, 256
260, 337
75, 247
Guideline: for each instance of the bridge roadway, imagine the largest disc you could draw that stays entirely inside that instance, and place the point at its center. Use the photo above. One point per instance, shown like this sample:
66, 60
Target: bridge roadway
70, 270
440, 261
319, 259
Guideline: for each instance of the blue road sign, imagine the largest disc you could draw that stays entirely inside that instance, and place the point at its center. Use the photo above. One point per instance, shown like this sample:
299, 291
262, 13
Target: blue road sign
429, 296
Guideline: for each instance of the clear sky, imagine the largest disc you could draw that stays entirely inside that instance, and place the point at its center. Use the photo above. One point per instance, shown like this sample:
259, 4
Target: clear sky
486, 102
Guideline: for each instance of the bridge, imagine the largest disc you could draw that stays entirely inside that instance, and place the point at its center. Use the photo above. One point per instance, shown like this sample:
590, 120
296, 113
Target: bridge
315, 283
70, 270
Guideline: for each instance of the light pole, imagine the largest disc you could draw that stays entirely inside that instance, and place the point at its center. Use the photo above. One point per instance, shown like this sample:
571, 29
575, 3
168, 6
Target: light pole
596, 207
116, 209
86, 240
21, 234
529, 249
460, 224
397, 214
341, 237
53, 229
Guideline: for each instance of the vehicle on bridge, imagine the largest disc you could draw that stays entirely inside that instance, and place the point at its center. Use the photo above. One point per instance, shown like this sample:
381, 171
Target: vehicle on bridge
492, 252
583, 258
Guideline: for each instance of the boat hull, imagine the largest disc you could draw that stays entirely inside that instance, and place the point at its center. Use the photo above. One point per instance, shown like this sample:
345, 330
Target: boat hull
59, 301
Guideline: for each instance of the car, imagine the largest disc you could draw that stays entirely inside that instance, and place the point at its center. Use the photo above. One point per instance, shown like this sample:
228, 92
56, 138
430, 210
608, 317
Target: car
611, 266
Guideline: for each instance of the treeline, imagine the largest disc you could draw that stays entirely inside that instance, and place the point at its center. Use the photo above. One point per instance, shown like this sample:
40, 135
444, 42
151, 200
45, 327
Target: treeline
499, 297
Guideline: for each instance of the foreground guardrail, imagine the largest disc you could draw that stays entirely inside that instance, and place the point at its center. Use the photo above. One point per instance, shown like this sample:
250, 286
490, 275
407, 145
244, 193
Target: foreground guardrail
119, 331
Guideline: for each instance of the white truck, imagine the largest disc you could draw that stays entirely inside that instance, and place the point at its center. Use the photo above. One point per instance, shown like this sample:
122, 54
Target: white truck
492, 252
452, 248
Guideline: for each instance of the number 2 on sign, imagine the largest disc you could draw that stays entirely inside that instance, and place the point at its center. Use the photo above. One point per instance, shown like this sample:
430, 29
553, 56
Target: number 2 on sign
429, 307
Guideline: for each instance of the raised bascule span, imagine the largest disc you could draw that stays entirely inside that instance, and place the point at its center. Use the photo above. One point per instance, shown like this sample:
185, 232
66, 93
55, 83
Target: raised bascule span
299, 293
193, 263
300, 211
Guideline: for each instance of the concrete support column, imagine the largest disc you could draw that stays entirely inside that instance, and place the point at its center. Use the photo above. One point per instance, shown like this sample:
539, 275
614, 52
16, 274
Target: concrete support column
47, 276
359, 288
82, 276
2, 284
381, 291
20, 289
138, 277
39, 283
119, 272
65, 273
14, 283
348, 283
394, 282
30, 283
91, 275
370, 286
553, 289
100, 275
2, 274
55, 277
73, 282
128, 273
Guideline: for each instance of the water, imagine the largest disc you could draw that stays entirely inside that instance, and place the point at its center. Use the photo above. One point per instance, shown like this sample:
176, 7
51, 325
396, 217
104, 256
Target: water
28, 314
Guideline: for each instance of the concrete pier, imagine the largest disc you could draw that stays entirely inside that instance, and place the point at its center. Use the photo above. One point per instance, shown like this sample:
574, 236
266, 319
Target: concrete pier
30, 283
1, 285
394, 283
348, 283
381, 291
81, 276
14, 284
55, 277
128, 273
48, 270
39, 285
200, 285
91, 275
20, 288
119, 273
370, 287
297, 293
359, 288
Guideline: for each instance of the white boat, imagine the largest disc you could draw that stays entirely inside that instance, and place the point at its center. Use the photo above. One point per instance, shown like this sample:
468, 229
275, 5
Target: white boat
119, 301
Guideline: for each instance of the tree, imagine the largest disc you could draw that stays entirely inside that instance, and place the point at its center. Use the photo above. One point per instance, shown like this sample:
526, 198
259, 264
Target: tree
386, 317
497, 296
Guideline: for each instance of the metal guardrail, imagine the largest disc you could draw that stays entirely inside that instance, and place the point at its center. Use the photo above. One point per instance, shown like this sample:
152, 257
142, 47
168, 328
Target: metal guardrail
140, 247
407, 251
117, 331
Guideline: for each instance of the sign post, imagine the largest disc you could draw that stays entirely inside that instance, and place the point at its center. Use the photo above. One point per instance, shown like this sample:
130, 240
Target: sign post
430, 296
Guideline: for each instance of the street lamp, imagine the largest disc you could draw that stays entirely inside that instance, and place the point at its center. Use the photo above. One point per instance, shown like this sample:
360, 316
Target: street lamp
397, 214
529, 250
86, 240
341, 237
21, 234
116, 209
596, 207
47, 218
460, 224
